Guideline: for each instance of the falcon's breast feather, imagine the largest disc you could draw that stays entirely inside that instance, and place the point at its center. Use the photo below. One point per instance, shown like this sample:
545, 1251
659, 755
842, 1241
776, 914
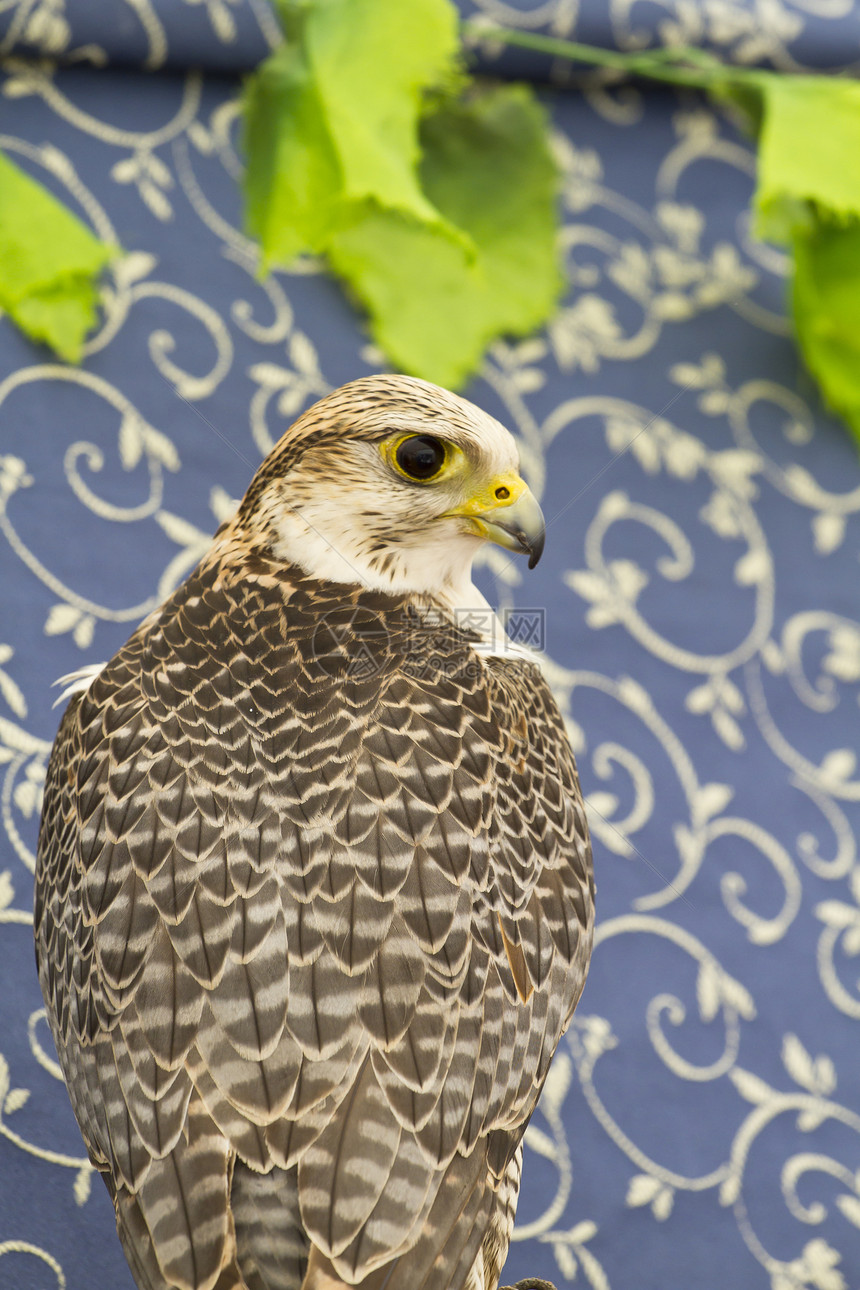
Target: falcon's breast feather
314, 895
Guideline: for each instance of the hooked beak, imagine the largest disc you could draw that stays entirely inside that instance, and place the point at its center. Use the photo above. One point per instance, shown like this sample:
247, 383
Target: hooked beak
508, 514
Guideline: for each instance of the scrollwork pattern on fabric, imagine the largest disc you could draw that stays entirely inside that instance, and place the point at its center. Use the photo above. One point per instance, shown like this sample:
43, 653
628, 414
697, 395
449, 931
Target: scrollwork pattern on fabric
702, 632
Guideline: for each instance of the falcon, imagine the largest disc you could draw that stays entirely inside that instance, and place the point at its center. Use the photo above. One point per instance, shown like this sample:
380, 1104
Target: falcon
314, 898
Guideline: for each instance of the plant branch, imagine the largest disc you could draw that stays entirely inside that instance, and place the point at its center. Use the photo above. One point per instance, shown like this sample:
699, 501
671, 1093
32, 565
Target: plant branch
682, 66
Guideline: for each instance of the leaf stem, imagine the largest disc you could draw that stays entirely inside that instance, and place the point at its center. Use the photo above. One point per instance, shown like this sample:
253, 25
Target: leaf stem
695, 67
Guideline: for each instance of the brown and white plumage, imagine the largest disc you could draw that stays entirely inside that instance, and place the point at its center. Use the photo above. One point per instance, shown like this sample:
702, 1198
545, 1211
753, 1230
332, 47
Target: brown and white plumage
314, 894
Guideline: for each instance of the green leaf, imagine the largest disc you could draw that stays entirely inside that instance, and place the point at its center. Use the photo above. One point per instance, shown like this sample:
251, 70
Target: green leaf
60, 316
331, 119
293, 189
808, 194
826, 303
372, 70
488, 169
808, 153
808, 191
49, 262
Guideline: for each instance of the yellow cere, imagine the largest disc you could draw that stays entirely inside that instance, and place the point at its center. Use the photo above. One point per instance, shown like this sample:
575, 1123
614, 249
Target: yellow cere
504, 490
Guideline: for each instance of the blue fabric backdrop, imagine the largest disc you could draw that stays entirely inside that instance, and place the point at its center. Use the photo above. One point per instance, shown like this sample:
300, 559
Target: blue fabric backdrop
701, 1124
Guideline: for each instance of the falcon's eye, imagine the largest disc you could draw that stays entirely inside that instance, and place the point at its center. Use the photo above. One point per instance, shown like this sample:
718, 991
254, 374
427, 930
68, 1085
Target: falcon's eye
420, 456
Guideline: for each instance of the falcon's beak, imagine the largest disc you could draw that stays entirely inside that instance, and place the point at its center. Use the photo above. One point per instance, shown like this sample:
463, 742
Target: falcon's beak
507, 513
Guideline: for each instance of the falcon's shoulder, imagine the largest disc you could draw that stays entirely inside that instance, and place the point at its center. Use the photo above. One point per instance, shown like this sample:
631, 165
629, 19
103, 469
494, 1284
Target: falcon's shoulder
314, 874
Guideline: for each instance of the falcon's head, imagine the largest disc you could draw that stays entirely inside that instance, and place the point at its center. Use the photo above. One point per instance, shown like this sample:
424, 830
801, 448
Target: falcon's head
393, 483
